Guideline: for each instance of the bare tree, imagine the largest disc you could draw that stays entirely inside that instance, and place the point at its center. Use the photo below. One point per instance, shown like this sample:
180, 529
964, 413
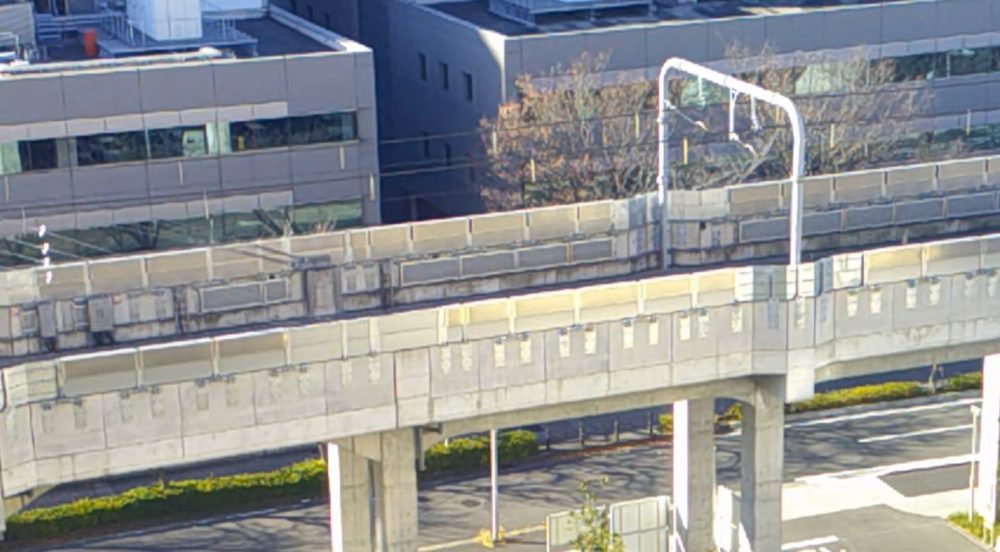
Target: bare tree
852, 108
581, 134
579, 139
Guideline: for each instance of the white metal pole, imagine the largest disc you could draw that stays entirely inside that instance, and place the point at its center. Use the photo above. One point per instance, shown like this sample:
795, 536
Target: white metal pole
494, 510
663, 136
753, 91
972, 463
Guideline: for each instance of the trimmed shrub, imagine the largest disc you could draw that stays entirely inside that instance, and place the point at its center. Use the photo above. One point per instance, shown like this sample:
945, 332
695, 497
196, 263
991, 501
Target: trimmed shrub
470, 453
172, 499
667, 424
961, 519
964, 382
864, 394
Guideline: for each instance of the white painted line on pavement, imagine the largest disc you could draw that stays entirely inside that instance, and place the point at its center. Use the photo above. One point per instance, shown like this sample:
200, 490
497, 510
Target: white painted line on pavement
934, 431
884, 413
811, 543
892, 468
866, 415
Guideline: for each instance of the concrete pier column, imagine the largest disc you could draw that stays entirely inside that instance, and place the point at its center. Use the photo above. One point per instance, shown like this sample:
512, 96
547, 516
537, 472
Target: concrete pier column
397, 492
694, 476
762, 466
351, 505
373, 493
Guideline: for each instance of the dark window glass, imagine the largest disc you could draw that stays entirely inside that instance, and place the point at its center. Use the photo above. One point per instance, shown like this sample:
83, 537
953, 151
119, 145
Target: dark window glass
447, 154
317, 129
326, 20
467, 81
444, 75
177, 142
295, 7
969, 62
38, 155
427, 144
916, 68
118, 147
423, 66
265, 133
309, 12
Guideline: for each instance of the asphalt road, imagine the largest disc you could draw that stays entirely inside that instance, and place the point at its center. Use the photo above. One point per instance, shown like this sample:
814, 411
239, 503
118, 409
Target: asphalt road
816, 443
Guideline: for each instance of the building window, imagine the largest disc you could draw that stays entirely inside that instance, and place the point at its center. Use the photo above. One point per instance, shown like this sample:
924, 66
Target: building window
426, 142
309, 12
37, 155
326, 20
260, 134
319, 129
444, 76
178, 142
117, 147
467, 83
295, 7
423, 66
447, 154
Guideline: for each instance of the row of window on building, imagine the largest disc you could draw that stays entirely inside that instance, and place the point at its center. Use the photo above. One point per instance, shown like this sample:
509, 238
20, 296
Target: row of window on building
176, 142
843, 76
444, 76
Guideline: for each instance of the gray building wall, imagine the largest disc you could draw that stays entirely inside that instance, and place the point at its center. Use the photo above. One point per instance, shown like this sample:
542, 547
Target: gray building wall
75, 103
340, 16
423, 107
884, 29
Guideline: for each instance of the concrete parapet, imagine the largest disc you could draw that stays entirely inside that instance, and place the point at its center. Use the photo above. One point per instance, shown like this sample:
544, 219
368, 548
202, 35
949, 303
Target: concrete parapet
858, 187
910, 181
961, 174
755, 198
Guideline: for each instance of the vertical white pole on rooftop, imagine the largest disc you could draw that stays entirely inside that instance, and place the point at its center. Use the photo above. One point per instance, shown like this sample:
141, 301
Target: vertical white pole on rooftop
333, 477
494, 510
754, 92
663, 136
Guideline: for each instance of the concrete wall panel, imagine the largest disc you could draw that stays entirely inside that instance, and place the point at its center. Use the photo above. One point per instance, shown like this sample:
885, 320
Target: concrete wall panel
250, 81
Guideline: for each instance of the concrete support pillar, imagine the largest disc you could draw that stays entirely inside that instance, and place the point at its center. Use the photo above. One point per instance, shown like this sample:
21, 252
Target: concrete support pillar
351, 505
694, 476
373, 492
397, 492
762, 466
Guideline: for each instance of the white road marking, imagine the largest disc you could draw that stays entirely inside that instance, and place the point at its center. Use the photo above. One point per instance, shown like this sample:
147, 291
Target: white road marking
867, 415
892, 468
884, 413
934, 431
811, 543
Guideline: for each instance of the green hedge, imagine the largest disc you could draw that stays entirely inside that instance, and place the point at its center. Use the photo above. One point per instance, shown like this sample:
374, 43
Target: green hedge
172, 499
964, 382
961, 519
469, 453
864, 394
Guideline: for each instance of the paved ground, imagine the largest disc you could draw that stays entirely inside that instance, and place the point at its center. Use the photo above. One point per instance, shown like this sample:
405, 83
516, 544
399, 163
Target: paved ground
874, 529
835, 466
